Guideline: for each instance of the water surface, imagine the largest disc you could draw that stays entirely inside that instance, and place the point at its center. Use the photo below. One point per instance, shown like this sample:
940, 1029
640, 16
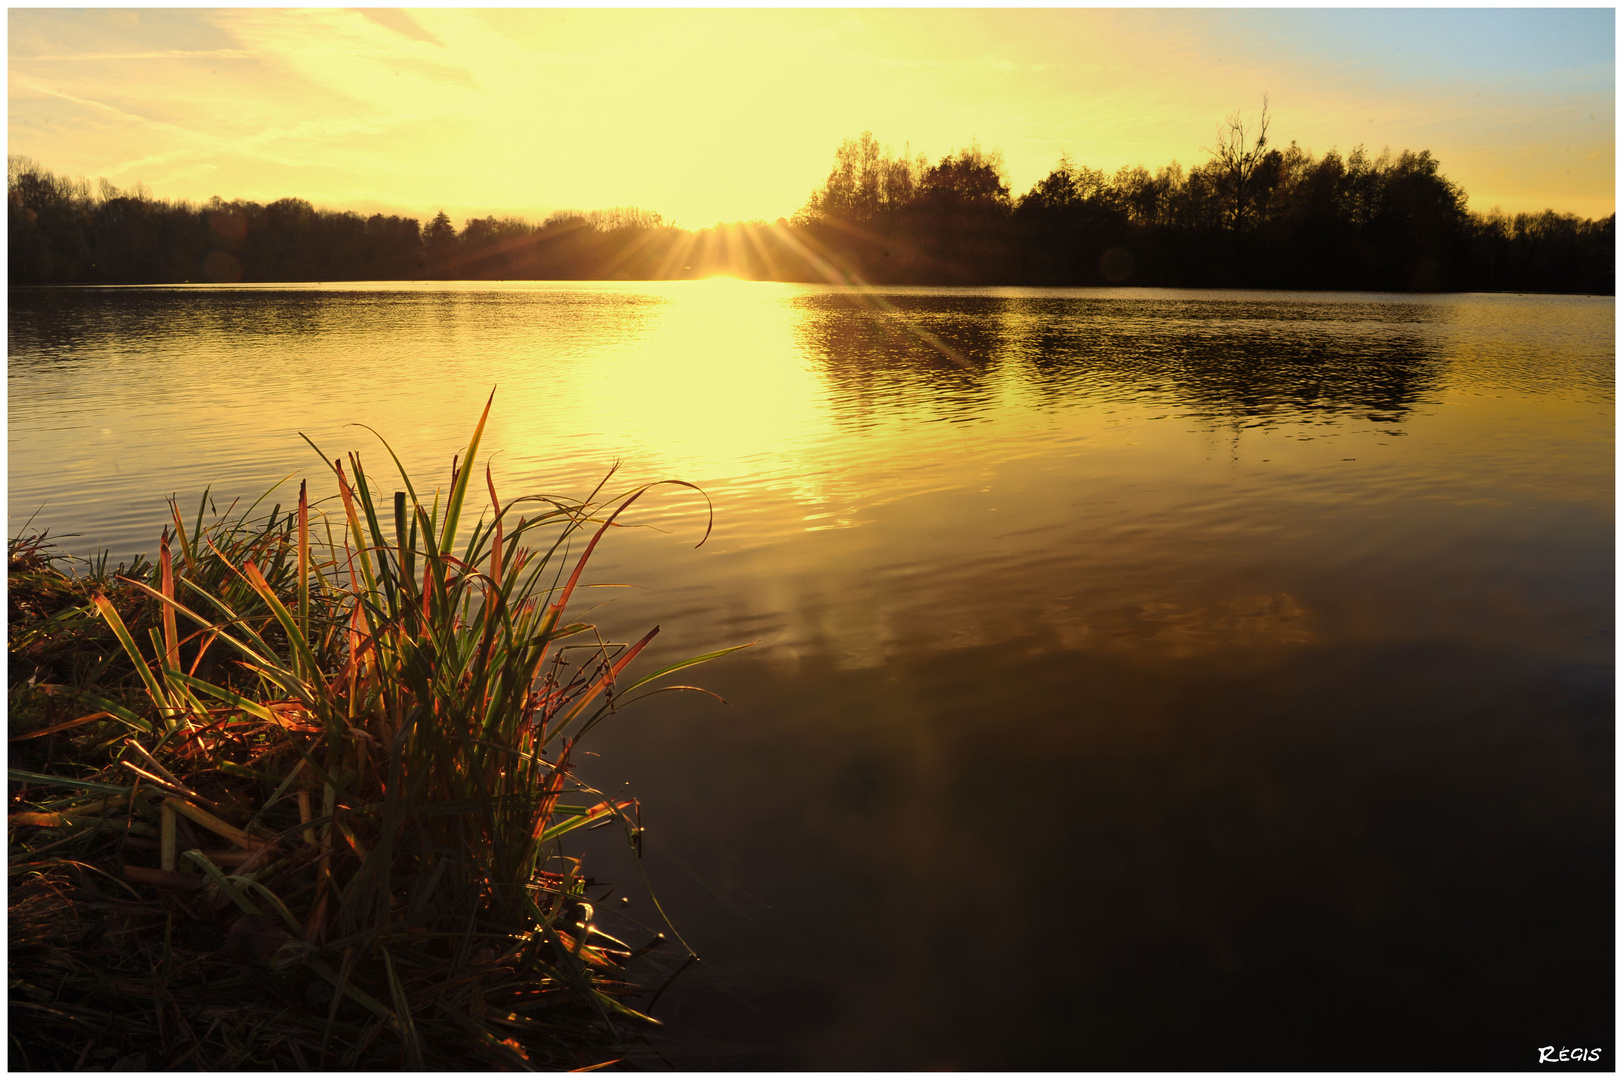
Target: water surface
1143, 678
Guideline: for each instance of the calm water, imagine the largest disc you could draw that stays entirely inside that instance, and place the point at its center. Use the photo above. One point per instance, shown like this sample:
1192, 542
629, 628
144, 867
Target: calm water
1144, 679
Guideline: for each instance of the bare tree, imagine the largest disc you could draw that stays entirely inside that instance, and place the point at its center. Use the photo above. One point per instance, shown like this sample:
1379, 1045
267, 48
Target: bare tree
1236, 158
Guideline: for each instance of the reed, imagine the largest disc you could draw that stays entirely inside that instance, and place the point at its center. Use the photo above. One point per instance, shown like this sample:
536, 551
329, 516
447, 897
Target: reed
322, 823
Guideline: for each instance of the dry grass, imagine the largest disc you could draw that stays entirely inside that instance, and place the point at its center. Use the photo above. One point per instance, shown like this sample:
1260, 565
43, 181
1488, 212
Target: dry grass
295, 795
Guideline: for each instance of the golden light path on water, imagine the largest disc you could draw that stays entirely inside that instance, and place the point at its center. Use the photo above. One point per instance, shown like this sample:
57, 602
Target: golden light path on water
717, 386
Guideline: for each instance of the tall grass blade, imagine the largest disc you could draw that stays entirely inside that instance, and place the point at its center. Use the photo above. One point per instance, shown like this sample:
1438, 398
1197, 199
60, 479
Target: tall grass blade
122, 633
171, 643
459, 485
402, 1008
303, 626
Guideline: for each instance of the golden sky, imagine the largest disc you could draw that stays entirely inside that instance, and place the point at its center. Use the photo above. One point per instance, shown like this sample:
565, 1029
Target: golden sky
728, 114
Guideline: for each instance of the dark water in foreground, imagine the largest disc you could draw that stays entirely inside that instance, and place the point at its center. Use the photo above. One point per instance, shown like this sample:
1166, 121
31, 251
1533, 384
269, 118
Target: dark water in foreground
1145, 679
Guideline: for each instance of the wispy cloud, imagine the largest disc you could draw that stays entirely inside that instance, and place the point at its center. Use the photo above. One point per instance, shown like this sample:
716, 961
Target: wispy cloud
265, 145
112, 110
163, 54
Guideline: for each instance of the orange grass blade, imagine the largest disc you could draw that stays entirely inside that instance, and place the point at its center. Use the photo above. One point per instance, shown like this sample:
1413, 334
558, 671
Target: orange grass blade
171, 642
569, 589
304, 574
304, 659
597, 813
210, 822
63, 726
599, 1065
550, 791
186, 551
428, 581
162, 772
496, 536
606, 679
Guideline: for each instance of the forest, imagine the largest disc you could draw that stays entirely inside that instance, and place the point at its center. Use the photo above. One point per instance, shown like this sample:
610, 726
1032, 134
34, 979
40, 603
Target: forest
1252, 214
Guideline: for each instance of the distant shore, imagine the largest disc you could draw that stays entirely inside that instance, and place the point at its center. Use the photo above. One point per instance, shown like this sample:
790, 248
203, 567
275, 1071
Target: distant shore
1267, 219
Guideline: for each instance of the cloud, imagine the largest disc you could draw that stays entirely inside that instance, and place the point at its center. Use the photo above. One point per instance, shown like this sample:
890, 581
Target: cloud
165, 54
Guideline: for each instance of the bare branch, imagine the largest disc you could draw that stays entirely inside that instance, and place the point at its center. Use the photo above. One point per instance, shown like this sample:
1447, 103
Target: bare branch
1237, 156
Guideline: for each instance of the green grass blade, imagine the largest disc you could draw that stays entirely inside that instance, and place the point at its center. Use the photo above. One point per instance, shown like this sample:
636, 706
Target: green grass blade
229, 697
154, 689
402, 1007
27, 777
306, 659
361, 997
281, 909
459, 490
692, 661
212, 872
119, 712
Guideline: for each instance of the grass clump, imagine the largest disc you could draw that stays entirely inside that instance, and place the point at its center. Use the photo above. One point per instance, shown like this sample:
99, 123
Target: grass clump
307, 805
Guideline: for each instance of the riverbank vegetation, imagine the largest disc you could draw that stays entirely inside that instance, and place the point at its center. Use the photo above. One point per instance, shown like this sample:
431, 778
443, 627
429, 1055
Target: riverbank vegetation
296, 794
1253, 213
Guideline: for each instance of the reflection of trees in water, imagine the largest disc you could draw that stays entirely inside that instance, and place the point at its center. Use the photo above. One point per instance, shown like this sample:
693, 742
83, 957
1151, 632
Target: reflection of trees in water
41, 328
1221, 361
881, 353
1243, 377
59, 322
1260, 362
71, 325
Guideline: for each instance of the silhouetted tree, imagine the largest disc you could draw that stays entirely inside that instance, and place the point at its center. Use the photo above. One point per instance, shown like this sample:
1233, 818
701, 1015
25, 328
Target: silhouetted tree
1238, 157
439, 244
866, 182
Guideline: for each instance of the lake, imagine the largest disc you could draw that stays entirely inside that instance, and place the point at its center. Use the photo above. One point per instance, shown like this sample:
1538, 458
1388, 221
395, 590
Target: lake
1143, 679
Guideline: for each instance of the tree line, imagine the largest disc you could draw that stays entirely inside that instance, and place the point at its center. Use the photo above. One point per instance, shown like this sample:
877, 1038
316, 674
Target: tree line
64, 231
1252, 214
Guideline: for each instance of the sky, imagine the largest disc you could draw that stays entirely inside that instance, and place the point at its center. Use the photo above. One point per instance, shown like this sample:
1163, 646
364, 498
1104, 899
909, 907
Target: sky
734, 114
